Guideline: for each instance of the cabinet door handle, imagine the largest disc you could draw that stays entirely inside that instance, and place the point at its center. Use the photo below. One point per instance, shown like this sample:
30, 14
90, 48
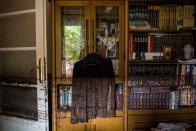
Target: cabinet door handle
87, 35
85, 127
87, 32
94, 126
93, 34
39, 70
45, 64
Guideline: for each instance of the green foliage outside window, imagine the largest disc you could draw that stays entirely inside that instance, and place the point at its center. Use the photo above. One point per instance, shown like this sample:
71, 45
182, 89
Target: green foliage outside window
73, 43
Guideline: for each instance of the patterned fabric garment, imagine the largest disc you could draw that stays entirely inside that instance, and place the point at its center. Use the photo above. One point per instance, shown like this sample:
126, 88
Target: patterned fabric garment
92, 95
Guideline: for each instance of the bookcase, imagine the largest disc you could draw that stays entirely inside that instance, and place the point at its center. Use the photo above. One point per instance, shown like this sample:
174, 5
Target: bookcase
161, 81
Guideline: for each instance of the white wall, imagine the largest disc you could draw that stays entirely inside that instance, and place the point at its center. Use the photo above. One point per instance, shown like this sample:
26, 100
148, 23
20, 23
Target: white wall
49, 37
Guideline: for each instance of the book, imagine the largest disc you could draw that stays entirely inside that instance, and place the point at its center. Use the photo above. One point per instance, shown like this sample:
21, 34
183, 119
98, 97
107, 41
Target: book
173, 100
186, 96
160, 89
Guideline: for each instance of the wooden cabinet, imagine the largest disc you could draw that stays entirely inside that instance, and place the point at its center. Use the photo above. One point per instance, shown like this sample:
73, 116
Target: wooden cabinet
143, 38
109, 124
145, 119
65, 125
82, 27
98, 124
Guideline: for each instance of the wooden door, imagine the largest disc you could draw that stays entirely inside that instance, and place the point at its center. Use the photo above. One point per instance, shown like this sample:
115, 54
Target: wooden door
107, 124
23, 69
71, 42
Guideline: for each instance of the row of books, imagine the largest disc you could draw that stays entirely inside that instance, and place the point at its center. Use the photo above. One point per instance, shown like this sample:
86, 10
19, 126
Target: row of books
157, 97
140, 37
155, 80
154, 43
186, 74
152, 69
165, 17
188, 15
161, 97
176, 41
148, 97
168, 17
148, 81
144, 16
140, 44
148, 101
187, 96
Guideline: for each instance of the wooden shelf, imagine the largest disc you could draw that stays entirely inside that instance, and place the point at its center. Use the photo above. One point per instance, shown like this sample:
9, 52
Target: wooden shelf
152, 62
161, 111
177, 2
67, 114
165, 31
17, 13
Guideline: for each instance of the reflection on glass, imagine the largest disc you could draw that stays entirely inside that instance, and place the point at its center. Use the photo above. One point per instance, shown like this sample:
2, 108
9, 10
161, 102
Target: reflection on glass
107, 33
72, 38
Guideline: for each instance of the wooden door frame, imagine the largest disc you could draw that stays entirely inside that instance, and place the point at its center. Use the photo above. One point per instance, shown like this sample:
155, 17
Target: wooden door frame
56, 54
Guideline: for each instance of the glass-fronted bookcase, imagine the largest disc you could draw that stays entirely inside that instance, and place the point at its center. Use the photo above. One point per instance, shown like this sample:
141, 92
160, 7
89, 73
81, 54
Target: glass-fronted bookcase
160, 74
146, 40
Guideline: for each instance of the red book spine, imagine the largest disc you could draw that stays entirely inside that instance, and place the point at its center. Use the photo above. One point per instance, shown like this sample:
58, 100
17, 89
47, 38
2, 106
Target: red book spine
150, 43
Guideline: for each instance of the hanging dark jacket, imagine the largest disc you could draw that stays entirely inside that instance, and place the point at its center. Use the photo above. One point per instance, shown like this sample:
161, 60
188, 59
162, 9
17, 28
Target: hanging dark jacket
93, 89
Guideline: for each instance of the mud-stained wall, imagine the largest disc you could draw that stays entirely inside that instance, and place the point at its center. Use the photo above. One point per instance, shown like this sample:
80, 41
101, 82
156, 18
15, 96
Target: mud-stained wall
10, 123
19, 101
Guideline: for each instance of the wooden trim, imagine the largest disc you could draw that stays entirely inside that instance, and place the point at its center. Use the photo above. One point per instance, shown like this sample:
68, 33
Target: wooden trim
17, 13
54, 96
92, 27
126, 66
105, 3
177, 2
67, 114
18, 49
87, 31
72, 3
58, 41
122, 29
39, 37
161, 111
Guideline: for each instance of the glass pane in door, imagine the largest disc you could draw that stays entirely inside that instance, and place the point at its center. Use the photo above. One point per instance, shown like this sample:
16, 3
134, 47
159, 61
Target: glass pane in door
107, 33
73, 48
